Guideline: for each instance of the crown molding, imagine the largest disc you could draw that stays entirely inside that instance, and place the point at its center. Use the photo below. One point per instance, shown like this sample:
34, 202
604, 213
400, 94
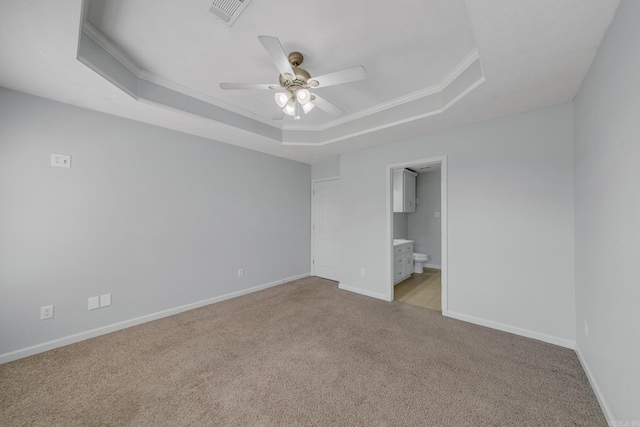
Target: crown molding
107, 45
119, 56
460, 68
144, 86
391, 124
203, 97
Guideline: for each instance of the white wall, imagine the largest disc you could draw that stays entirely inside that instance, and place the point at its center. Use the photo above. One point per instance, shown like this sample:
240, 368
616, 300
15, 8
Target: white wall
607, 217
157, 218
424, 228
510, 204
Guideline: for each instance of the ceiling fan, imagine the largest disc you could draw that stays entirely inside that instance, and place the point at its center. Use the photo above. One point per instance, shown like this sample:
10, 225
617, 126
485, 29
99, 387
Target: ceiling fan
292, 93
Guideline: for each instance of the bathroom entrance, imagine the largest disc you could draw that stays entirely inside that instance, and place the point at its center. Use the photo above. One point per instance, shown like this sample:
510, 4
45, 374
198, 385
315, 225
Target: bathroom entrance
417, 233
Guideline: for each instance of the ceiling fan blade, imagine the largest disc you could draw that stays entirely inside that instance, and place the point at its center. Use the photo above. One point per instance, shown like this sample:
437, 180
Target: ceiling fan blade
339, 77
260, 86
327, 107
275, 51
278, 114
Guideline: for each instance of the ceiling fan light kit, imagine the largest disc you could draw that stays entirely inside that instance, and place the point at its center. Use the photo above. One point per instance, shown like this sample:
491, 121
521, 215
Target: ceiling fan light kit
308, 107
295, 82
290, 108
282, 99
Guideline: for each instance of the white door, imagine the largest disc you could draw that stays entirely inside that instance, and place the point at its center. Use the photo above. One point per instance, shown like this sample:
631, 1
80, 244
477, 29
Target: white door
326, 229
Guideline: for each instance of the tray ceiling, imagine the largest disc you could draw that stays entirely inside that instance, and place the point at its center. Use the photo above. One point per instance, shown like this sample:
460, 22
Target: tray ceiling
431, 65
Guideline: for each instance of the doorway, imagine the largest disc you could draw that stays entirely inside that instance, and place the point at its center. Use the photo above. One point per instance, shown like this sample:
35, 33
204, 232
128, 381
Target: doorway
325, 225
426, 232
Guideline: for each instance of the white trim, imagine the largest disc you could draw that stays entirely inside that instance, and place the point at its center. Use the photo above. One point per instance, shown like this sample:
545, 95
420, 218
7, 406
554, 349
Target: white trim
437, 267
468, 61
107, 77
443, 225
313, 195
444, 236
363, 292
606, 410
562, 342
391, 124
205, 98
111, 49
119, 56
81, 336
206, 120
330, 178
457, 70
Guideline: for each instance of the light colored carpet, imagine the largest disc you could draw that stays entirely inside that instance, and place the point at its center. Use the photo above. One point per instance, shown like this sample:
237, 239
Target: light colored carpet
303, 353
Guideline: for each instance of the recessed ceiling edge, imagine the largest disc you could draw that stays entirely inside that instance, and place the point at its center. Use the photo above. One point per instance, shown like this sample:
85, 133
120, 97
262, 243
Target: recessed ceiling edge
106, 60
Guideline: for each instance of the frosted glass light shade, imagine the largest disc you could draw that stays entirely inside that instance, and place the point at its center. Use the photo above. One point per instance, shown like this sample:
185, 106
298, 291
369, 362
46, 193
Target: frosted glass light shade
308, 107
282, 99
290, 108
303, 96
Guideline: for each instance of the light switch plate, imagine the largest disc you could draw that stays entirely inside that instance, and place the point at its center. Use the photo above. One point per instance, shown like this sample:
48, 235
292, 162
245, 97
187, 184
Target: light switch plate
61, 160
94, 303
105, 300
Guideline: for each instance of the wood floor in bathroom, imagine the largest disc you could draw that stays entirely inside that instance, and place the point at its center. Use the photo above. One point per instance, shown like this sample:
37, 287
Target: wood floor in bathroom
423, 290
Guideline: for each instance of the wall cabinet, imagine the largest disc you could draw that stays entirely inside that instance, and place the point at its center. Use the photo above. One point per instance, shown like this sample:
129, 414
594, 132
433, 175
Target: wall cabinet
403, 262
404, 191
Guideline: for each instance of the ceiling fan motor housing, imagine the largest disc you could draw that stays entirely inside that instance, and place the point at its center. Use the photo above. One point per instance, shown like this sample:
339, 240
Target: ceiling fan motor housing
301, 75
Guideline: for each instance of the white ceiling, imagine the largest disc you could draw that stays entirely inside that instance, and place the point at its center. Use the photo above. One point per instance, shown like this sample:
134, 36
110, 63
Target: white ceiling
533, 54
182, 43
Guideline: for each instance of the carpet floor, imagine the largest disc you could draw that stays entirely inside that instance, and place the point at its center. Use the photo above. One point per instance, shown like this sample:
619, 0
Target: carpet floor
302, 353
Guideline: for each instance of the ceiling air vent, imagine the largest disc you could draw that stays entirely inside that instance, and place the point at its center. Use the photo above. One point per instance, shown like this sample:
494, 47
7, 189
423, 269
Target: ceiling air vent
227, 10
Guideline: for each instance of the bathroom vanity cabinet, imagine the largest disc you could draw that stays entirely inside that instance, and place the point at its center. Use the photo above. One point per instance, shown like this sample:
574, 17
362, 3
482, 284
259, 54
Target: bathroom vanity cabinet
403, 262
404, 191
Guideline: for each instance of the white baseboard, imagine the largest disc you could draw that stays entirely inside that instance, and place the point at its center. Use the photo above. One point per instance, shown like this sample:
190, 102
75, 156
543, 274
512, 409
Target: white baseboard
596, 389
70, 339
562, 342
436, 266
362, 292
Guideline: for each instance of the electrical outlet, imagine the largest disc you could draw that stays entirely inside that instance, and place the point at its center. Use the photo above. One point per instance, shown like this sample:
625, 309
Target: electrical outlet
586, 329
94, 303
362, 272
240, 272
61, 160
46, 312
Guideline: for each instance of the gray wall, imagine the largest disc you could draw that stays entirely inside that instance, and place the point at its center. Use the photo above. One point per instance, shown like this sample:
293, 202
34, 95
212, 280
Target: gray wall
400, 225
329, 169
607, 218
157, 218
510, 221
423, 226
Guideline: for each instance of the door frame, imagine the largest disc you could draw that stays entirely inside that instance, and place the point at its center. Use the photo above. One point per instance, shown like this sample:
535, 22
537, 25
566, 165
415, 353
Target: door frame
442, 160
313, 219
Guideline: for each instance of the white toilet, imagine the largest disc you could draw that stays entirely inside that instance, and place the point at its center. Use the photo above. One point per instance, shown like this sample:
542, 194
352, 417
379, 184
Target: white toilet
418, 262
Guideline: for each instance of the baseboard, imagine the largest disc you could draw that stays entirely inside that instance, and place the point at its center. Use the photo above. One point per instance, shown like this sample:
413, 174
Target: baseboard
596, 389
436, 266
362, 292
70, 339
562, 342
